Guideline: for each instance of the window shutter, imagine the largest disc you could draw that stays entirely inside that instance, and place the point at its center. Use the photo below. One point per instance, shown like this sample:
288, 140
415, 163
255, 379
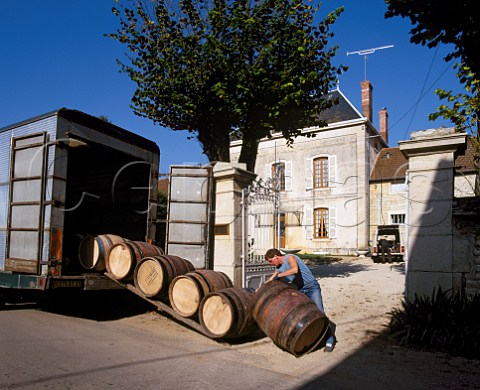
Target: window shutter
332, 171
288, 175
308, 173
332, 216
308, 222
268, 171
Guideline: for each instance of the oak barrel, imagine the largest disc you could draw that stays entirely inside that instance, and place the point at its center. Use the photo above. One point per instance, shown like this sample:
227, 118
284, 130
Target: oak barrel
186, 291
228, 313
124, 256
93, 250
153, 274
289, 318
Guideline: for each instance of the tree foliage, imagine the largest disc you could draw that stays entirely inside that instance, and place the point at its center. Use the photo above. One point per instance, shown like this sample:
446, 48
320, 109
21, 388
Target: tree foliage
458, 23
443, 22
465, 105
229, 68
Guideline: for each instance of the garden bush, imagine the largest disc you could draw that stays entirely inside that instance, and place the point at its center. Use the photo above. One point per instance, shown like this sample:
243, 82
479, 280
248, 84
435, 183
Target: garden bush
444, 322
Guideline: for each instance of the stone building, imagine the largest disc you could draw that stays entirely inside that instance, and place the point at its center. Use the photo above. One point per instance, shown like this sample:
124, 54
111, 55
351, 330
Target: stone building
465, 173
323, 181
389, 188
388, 192
436, 258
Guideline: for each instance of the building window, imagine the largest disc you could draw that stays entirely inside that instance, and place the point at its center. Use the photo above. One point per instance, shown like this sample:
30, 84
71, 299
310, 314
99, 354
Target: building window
397, 218
320, 222
278, 175
320, 172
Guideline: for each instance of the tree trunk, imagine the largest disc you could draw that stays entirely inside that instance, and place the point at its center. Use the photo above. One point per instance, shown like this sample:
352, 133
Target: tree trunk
248, 154
215, 145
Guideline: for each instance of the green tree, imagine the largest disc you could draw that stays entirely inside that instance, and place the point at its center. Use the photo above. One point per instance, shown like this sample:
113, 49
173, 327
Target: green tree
462, 109
443, 22
104, 118
223, 69
465, 105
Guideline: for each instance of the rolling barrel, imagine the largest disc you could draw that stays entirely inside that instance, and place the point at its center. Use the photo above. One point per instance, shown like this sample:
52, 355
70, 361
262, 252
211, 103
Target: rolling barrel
124, 257
153, 274
187, 291
93, 251
228, 313
289, 318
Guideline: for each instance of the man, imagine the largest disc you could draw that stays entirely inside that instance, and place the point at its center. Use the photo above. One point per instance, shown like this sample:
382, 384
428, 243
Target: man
294, 271
385, 247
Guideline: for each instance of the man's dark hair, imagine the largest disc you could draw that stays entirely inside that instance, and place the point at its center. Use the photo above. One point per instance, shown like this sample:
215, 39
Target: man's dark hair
272, 253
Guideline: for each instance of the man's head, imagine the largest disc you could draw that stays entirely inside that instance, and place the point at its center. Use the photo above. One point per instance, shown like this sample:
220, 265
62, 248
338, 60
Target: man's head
274, 256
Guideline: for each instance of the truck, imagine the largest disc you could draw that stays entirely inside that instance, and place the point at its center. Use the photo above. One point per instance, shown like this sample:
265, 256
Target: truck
65, 175
388, 244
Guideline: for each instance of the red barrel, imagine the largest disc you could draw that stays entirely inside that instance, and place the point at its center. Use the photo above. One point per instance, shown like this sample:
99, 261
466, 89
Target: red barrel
289, 318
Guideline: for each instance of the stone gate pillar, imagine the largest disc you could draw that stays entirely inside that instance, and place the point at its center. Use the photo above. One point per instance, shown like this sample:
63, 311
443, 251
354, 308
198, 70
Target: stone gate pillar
229, 179
431, 172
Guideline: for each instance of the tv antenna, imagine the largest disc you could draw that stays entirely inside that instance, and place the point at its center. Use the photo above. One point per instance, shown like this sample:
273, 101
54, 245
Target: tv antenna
366, 52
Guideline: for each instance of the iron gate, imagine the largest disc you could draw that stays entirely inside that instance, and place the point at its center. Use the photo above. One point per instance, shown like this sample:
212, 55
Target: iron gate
260, 222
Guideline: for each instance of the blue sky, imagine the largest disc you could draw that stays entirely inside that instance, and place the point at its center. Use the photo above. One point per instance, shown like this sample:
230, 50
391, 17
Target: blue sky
54, 54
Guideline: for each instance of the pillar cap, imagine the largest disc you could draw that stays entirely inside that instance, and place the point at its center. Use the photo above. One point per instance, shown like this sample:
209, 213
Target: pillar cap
431, 144
226, 169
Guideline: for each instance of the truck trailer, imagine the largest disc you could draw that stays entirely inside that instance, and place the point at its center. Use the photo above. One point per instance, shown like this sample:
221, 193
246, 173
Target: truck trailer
65, 175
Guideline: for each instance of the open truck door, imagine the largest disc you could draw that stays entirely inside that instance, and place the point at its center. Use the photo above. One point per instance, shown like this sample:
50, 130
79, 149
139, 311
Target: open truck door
387, 244
65, 175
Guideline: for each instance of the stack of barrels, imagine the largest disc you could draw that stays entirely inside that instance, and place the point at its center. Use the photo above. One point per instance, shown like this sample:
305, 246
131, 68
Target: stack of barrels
93, 250
287, 316
205, 296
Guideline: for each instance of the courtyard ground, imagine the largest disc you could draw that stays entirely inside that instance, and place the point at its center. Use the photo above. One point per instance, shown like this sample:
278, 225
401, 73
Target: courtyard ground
358, 296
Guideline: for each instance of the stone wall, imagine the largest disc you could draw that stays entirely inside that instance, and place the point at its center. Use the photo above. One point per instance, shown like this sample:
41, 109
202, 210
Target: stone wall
431, 163
466, 243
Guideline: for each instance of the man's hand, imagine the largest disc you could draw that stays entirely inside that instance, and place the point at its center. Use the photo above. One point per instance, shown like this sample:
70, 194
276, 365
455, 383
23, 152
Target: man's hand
273, 277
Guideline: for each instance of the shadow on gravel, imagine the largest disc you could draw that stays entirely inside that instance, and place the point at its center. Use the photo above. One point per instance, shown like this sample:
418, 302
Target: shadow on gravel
381, 364
344, 269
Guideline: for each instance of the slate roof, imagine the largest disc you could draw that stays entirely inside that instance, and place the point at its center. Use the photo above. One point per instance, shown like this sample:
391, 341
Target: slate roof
343, 111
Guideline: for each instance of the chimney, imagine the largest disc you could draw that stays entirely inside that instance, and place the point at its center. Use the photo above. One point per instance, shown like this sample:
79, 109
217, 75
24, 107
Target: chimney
383, 119
367, 99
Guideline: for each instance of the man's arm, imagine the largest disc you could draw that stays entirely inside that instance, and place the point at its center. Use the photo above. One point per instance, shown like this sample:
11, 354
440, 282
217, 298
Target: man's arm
292, 262
274, 275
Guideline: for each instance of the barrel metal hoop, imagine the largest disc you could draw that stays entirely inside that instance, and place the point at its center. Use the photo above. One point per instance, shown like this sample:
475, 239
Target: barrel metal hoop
100, 244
